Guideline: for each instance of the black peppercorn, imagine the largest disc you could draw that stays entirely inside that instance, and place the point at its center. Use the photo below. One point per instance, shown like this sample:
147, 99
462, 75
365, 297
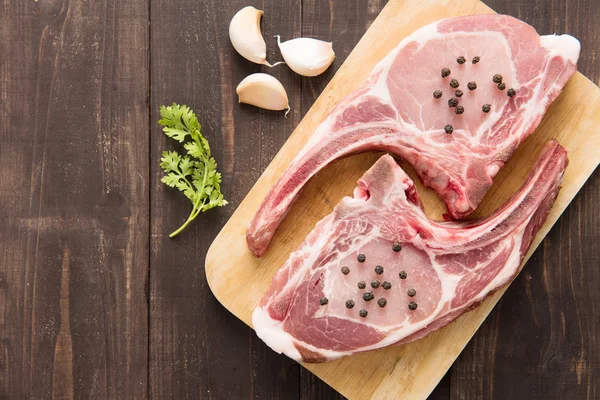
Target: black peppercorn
511, 92
361, 258
472, 85
368, 296
454, 83
362, 284
411, 292
403, 274
453, 102
437, 94
324, 300
497, 78
461, 60
381, 302
375, 283
386, 285
349, 304
458, 93
345, 270
379, 270
412, 306
475, 60
445, 72
501, 86
363, 313
486, 108
449, 129
396, 247
459, 110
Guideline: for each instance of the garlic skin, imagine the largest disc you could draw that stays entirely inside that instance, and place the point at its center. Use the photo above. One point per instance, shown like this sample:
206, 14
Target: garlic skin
246, 37
264, 91
306, 56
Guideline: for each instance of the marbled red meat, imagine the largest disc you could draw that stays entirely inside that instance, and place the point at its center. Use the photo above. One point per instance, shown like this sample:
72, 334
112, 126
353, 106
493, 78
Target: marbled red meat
452, 265
395, 111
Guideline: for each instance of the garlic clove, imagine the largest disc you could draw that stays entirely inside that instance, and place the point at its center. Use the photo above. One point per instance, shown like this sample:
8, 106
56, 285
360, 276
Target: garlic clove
264, 91
306, 56
246, 37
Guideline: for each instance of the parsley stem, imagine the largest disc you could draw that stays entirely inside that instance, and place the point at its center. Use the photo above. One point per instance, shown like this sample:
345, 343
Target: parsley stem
197, 207
182, 227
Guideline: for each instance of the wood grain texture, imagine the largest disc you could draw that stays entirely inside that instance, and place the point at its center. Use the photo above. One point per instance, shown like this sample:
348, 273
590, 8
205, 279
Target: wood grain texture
412, 370
73, 199
78, 171
197, 349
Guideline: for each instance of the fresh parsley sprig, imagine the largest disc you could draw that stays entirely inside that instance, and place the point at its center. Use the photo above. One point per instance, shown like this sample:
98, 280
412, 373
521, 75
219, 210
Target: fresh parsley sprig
194, 174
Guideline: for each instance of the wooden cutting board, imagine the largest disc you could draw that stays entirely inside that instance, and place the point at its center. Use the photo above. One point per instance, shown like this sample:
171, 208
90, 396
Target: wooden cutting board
239, 280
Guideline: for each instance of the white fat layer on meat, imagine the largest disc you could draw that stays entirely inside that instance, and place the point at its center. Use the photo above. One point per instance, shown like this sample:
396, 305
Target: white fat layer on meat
506, 273
270, 331
424, 35
342, 132
565, 46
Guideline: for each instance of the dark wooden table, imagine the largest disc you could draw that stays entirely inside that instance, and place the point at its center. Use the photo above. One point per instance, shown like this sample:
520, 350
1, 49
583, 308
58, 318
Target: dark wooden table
97, 302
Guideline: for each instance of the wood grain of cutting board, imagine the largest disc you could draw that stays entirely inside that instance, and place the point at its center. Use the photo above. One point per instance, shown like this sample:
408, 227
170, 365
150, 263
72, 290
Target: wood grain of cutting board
238, 279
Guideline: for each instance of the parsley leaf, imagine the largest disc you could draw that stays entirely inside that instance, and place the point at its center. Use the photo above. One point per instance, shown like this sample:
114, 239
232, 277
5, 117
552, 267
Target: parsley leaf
194, 174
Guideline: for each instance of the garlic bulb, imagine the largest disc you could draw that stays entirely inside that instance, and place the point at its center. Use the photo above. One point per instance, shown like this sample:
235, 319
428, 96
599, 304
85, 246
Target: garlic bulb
246, 37
264, 91
306, 56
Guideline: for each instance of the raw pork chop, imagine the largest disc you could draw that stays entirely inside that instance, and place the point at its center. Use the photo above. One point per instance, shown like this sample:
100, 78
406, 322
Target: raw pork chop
314, 309
395, 111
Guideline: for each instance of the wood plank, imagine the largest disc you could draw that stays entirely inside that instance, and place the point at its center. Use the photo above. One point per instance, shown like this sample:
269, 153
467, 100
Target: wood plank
540, 342
427, 360
197, 348
73, 199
